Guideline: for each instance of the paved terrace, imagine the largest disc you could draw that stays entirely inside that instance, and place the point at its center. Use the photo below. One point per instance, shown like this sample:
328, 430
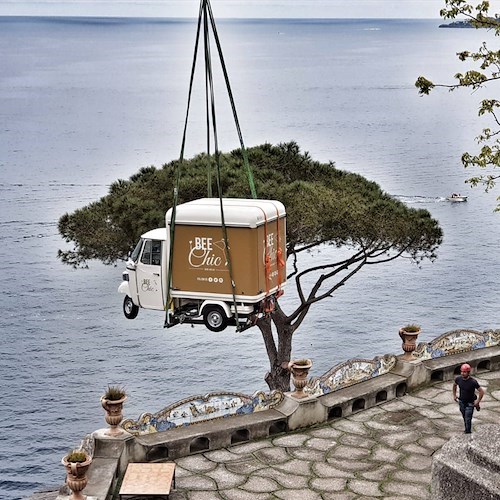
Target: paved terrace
382, 452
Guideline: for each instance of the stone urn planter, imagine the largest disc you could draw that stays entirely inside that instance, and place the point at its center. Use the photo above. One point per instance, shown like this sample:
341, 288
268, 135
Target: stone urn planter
112, 402
300, 370
76, 463
409, 334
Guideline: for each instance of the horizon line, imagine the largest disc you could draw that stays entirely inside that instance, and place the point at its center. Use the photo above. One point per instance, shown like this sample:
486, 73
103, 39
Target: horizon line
88, 16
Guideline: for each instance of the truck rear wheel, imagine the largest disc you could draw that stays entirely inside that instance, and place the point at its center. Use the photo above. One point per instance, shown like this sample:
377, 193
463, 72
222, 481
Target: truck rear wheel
215, 318
129, 308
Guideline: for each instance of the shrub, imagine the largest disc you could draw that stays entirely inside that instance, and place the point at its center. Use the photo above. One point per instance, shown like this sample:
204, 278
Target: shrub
114, 393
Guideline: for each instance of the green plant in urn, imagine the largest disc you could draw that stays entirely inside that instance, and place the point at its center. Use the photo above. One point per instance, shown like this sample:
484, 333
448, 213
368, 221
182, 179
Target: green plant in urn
112, 401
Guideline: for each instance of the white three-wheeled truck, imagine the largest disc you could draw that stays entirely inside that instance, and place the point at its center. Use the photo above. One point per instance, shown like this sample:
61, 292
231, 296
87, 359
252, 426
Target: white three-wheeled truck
201, 289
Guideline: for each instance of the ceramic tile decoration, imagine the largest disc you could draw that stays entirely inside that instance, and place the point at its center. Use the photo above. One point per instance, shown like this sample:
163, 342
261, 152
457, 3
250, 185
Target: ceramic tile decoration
455, 342
349, 373
217, 405
202, 408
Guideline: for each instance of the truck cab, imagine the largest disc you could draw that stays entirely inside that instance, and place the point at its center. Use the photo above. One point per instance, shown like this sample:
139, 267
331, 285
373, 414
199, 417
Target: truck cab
142, 280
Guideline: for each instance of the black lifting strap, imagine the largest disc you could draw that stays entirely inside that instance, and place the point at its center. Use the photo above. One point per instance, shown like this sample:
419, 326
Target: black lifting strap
205, 14
168, 302
233, 106
210, 88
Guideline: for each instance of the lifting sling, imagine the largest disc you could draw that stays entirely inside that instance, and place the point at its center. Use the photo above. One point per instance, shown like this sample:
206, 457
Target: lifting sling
206, 19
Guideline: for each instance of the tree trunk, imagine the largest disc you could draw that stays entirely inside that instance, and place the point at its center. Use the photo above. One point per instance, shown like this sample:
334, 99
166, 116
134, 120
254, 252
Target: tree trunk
278, 376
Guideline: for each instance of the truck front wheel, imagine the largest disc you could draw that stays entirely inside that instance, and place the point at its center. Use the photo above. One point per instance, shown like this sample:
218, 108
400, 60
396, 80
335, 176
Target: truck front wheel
215, 318
129, 308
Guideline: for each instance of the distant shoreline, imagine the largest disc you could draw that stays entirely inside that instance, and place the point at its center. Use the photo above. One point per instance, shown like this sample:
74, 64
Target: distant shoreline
457, 24
488, 22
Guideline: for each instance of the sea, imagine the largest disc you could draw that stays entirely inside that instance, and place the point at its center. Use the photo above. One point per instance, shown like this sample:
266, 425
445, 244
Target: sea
86, 101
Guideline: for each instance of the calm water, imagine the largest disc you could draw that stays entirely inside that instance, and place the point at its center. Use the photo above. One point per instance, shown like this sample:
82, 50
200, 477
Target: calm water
83, 103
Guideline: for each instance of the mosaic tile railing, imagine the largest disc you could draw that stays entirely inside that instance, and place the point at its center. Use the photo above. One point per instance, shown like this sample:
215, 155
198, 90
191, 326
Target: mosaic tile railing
455, 342
349, 373
202, 408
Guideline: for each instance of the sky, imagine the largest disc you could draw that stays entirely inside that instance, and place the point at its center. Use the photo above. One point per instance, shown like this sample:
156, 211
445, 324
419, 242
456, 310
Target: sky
228, 8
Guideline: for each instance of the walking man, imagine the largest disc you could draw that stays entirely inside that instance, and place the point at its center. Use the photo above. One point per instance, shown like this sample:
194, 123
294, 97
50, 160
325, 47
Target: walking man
468, 400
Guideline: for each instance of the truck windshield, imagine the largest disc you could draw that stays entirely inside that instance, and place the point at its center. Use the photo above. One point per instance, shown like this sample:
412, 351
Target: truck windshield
137, 250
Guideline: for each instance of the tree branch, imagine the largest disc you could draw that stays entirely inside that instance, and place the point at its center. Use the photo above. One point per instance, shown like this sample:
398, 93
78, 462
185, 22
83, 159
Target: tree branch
338, 267
302, 309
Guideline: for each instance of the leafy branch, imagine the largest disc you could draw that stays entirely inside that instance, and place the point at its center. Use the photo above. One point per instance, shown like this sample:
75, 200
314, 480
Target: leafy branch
486, 72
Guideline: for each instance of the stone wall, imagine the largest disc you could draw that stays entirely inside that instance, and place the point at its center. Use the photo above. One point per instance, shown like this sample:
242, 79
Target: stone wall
468, 466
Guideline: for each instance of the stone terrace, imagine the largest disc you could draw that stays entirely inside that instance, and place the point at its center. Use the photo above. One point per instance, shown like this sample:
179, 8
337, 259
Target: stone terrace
382, 452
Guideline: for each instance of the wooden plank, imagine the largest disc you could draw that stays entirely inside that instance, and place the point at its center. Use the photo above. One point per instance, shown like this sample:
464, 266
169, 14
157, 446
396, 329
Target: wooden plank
143, 479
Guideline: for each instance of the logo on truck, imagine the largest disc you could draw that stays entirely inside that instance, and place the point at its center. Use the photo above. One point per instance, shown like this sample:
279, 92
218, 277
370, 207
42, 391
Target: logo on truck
204, 252
148, 285
269, 256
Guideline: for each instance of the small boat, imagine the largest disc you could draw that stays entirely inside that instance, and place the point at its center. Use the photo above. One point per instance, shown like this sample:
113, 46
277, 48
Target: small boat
456, 197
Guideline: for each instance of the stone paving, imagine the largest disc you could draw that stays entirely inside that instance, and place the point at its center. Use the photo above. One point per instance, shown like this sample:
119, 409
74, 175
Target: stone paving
383, 452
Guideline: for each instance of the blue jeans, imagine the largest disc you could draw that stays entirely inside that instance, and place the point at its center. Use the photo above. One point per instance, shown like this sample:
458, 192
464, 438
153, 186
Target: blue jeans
467, 409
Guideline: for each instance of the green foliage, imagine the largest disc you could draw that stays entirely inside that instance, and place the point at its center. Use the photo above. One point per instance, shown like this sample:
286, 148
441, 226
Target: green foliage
424, 86
412, 328
114, 393
76, 456
324, 205
487, 70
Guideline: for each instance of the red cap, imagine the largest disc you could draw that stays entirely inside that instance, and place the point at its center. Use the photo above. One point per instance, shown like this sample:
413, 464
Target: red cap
465, 368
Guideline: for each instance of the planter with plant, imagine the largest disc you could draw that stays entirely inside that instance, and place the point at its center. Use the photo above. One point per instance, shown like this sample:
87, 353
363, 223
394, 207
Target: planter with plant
76, 463
409, 334
112, 401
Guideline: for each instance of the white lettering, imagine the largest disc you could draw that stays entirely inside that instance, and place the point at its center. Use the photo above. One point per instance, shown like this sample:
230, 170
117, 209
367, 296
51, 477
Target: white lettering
202, 243
204, 259
270, 250
203, 253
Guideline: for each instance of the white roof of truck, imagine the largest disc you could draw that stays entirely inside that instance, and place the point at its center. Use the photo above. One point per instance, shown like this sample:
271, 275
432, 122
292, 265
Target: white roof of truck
237, 212
155, 234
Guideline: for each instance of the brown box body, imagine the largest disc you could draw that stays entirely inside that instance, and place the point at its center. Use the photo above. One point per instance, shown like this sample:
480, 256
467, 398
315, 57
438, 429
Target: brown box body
200, 267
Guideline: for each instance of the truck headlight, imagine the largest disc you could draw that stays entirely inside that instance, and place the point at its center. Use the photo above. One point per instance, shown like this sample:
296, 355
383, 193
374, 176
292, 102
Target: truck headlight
125, 276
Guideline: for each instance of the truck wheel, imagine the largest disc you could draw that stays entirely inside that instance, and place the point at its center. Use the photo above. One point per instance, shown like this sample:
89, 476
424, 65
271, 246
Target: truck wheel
215, 318
129, 308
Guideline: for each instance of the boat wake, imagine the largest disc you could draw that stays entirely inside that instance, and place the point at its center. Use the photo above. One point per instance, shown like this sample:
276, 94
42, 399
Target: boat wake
412, 199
